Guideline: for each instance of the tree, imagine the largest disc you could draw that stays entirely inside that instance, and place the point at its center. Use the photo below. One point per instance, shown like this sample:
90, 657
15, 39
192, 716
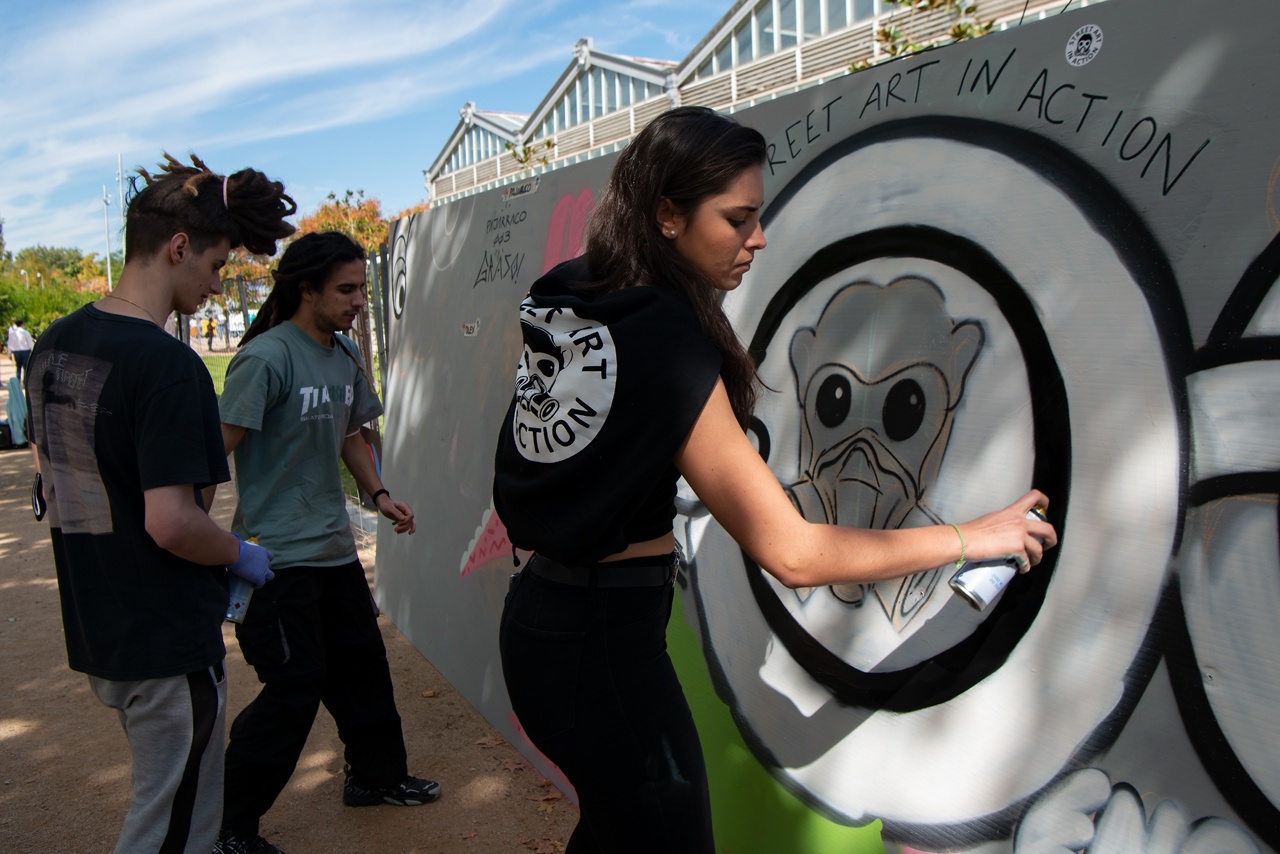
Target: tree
352, 214
421, 206
357, 217
39, 306
53, 263
898, 41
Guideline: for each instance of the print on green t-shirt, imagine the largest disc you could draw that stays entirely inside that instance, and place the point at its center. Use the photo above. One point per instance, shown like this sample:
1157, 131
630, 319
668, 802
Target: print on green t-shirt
298, 400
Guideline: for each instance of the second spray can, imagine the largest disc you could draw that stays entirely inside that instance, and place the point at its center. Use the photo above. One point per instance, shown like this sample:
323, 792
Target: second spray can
241, 592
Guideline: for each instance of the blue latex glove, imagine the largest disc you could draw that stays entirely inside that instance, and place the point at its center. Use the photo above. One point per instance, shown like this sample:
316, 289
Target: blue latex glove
253, 565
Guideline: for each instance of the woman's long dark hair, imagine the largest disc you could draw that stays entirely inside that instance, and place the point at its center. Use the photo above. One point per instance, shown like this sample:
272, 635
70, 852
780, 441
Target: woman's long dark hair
684, 155
307, 264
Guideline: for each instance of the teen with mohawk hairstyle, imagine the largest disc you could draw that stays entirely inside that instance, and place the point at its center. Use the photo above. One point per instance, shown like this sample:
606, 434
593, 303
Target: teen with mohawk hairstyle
125, 423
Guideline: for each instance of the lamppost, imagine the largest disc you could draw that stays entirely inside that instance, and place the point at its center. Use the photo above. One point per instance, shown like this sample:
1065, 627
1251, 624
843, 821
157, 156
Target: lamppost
40, 278
26, 283
106, 225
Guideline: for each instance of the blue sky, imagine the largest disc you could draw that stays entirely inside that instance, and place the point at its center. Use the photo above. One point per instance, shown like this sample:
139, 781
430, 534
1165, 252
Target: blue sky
325, 95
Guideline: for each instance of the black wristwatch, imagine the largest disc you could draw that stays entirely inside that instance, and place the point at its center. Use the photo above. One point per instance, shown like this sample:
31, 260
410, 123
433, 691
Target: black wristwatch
374, 497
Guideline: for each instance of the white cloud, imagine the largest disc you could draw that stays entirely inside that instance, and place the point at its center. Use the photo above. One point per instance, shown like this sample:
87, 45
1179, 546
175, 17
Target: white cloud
90, 78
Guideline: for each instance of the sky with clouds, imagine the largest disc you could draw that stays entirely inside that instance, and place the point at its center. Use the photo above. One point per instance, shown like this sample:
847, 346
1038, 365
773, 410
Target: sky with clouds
325, 95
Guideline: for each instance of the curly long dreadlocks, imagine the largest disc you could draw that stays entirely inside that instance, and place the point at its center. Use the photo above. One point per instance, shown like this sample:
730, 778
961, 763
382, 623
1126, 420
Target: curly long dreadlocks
306, 265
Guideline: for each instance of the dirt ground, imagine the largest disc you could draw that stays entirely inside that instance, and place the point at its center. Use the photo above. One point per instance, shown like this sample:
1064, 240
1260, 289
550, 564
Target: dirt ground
64, 761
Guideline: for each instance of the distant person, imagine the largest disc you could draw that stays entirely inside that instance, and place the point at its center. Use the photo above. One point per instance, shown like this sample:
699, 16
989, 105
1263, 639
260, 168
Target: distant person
583, 633
20, 345
295, 397
210, 327
126, 428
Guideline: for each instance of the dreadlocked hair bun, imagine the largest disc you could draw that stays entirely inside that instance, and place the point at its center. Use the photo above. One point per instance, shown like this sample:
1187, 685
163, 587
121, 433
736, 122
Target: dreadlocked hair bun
247, 208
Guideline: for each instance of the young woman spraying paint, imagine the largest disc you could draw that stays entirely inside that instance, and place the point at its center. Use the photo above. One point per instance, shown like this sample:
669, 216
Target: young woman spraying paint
630, 378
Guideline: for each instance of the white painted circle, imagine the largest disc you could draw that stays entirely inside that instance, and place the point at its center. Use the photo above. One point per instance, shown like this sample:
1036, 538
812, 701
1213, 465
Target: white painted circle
564, 383
1022, 724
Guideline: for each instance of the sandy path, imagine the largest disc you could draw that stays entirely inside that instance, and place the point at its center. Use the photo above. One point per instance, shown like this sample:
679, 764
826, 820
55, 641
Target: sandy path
64, 761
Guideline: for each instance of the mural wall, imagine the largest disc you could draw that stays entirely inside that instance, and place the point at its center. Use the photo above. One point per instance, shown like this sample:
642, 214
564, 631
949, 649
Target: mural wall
1044, 258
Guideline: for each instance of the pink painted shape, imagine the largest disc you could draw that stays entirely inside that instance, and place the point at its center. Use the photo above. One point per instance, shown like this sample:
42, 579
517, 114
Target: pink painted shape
526, 747
493, 543
568, 222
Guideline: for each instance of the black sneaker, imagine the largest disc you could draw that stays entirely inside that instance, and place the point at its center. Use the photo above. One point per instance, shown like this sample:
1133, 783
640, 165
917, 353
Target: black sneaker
229, 843
409, 792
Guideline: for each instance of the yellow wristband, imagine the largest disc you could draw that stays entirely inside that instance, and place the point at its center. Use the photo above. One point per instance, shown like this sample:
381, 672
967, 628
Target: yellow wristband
960, 562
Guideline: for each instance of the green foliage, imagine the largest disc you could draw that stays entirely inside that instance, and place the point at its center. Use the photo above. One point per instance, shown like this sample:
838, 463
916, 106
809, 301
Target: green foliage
51, 261
896, 40
58, 280
527, 155
39, 306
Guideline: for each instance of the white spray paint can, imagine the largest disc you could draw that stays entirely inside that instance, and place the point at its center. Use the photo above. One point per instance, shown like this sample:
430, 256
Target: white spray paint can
978, 582
241, 592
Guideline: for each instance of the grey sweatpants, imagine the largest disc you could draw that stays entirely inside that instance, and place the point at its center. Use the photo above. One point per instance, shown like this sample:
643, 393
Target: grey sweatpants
176, 728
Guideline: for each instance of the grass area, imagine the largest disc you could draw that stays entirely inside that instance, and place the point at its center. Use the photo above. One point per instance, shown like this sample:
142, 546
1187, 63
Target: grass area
217, 365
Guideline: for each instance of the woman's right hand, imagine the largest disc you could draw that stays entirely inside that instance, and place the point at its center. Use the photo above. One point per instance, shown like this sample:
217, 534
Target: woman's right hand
1009, 533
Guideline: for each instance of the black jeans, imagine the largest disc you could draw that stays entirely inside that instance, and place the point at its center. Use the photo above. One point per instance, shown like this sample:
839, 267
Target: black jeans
589, 678
312, 636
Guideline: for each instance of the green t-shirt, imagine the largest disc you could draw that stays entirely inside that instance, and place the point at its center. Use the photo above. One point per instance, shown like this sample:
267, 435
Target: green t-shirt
299, 400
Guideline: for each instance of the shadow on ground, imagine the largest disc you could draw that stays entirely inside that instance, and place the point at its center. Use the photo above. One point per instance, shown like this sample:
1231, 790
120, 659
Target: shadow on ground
64, 761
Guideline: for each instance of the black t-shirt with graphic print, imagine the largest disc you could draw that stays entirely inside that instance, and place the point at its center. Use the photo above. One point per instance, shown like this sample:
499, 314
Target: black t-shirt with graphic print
119, 407
606, 390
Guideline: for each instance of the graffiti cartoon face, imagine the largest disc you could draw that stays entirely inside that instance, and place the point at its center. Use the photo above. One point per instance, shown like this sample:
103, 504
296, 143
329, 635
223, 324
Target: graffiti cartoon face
878, 380
541, 363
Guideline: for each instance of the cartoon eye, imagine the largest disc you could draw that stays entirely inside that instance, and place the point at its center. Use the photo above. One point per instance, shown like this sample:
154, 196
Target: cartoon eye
547, 367
903, 410
834, 398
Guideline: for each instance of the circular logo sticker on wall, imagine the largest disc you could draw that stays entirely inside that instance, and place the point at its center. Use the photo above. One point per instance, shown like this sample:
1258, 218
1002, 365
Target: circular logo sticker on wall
564, 383
1084, 45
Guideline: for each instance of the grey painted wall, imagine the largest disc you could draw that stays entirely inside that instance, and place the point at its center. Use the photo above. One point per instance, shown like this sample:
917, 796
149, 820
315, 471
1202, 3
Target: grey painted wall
1016, 261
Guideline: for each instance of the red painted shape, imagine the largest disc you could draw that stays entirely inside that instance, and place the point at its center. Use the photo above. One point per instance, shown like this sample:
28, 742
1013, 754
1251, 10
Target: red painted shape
526, 747
490, 544
568, 222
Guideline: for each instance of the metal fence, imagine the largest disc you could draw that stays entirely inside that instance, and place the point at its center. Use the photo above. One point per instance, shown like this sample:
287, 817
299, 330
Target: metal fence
215, 335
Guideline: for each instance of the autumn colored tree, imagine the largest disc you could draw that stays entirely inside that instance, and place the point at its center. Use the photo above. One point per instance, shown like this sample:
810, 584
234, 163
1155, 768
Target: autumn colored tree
352, 214
252, 267
355, 215
411, 210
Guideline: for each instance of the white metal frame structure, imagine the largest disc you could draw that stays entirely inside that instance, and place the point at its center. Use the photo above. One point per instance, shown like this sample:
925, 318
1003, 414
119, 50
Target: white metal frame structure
759, 50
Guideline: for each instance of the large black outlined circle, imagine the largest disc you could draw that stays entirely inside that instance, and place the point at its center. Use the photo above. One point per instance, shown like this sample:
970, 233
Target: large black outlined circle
1114, 218
1227, 344
953, 672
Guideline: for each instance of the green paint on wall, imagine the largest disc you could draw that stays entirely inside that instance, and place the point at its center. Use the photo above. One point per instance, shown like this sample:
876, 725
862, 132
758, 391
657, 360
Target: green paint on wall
751, 812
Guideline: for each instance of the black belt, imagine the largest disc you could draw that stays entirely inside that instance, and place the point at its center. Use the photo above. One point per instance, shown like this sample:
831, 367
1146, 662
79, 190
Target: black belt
656, 574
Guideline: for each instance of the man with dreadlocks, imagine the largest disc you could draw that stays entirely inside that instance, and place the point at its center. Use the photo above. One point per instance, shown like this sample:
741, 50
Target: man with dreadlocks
125, 423
294, 400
